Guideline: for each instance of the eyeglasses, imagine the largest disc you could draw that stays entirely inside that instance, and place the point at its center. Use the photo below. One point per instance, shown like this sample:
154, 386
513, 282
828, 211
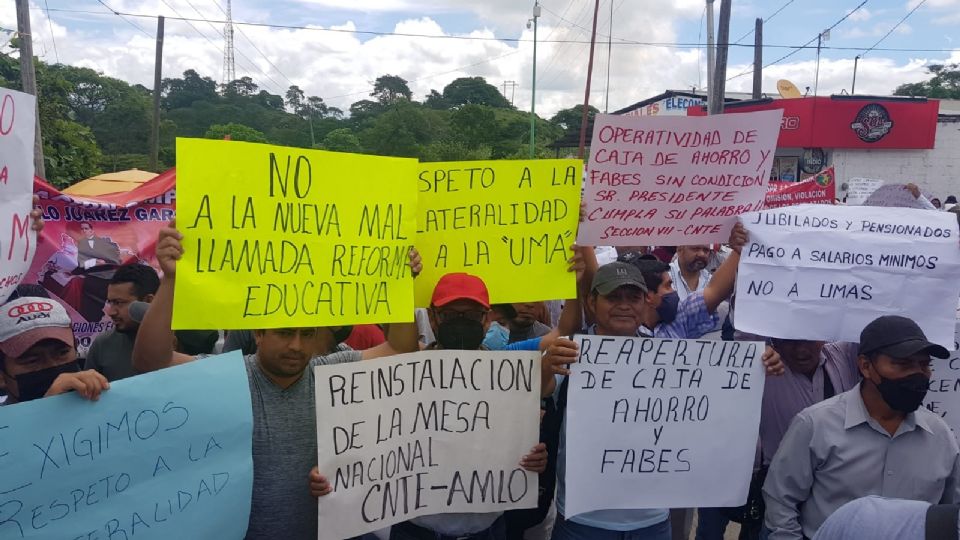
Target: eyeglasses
451, 315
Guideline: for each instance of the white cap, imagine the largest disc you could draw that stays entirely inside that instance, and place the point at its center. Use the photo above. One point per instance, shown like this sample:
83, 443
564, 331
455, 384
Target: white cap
26, 321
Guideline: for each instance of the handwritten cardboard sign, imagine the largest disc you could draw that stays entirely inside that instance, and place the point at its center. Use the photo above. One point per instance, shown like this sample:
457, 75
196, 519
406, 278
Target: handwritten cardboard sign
284, 237
822, 272
894, 196
18, 242
661, 423
859, 189
676, 180
426, 433
155, 458
943, 396
499, 220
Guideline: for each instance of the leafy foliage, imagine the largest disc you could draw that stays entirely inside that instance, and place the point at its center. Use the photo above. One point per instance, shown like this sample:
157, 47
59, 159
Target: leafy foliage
93, 123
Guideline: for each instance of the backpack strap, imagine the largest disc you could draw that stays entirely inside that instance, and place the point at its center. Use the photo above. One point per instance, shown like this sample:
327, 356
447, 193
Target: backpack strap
941, 522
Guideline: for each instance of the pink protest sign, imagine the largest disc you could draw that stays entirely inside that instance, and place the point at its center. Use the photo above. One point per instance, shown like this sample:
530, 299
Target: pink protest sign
675, 180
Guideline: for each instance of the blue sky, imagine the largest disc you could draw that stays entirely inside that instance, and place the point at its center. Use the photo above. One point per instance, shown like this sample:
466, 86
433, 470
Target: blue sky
340, 66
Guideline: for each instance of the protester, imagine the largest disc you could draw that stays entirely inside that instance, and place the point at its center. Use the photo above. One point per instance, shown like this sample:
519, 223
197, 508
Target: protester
38, 354
689, 270
813, 371
111, 352
282, 395
936, 203
358, 337
634, 300
879, 518
458, 317
524, 324
950, 202
875, 439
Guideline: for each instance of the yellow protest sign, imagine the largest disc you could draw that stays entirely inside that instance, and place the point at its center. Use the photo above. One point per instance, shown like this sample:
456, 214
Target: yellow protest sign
510, 222
278, 237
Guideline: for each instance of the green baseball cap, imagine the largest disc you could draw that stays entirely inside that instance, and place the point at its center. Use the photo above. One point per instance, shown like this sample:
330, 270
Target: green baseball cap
610, 277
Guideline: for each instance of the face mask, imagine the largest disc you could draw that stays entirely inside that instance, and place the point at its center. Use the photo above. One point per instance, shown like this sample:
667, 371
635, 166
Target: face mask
460, 333
668, 307
906, 393
34, 385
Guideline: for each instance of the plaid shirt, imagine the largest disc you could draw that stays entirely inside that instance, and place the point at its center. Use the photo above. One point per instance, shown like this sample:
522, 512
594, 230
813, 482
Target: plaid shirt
692, 322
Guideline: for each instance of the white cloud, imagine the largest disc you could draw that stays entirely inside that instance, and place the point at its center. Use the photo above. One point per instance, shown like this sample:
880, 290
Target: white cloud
340, 67
862, 14
875, 75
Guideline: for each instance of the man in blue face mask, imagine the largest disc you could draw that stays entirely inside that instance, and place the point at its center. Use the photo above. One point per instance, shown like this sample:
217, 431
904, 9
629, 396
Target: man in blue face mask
38, 357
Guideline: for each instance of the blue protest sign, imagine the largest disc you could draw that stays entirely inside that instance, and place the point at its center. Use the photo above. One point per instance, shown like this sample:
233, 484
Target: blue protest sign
161, 455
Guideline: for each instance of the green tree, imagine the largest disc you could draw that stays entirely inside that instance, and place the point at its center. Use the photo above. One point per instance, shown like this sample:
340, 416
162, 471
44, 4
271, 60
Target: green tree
236, 132
242, 87
945, 83
435, 100
295, 98
389, 89
341, 140
179, 93
473, 90
569, 120
474, 125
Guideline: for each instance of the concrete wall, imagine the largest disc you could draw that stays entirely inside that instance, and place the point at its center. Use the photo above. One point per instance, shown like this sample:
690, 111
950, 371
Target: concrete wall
936, 171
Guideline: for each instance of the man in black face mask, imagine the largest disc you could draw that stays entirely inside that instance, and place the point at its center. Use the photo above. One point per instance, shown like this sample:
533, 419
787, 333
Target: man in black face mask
875, 439
458, 315
38, 357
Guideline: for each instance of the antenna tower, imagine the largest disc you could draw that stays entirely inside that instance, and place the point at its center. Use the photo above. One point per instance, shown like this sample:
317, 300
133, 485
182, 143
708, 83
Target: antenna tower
229, 70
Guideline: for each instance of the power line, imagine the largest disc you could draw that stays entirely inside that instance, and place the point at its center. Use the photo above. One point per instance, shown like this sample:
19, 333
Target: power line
774, 14
620, 41
805, 45
52, 37
250, 62
885, 36
254, 45
427, 77
115, 12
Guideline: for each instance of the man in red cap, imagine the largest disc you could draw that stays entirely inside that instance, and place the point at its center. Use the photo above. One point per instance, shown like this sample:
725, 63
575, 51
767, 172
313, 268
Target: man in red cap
38, 356
458, 315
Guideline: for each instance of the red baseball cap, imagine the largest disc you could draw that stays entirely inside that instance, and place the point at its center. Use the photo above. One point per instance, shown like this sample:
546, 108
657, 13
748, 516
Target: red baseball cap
460, 286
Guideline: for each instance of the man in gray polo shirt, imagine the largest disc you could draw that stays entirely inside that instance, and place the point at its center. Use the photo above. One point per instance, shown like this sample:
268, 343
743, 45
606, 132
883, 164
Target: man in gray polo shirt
282, 391
875, 439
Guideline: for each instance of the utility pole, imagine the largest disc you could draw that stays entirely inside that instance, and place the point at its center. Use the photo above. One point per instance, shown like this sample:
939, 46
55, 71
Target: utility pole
853, 88
723, 43
533, 84
824, 36
157, 78
229, 66
606, 99
711, 58
586, 94
28, 78
758, 59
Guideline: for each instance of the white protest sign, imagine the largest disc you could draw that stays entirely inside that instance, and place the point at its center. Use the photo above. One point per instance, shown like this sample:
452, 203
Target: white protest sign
858, 189
893, 196
425, 433
18, 242
943, 396
661, 423
824, 272
675, 180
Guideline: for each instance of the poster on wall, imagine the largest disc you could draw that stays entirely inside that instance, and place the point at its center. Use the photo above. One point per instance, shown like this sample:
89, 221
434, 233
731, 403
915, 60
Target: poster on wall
789, 169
